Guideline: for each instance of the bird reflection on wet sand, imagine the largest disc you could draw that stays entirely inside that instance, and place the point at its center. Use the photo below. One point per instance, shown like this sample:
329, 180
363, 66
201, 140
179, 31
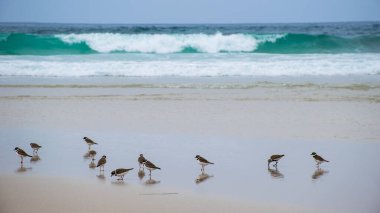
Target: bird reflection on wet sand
141, 173
275, 173
86, 155
151, 181
319, 173
22, 169
92, 164
118, 183
202, 177
35, 158
101, 177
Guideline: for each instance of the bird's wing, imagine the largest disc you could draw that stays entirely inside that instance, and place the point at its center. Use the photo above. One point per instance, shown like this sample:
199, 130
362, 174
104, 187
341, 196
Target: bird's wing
22, 152
276, 157
34, 145
317, 157
151, 165
203, 160
122, 170
101, 161
88, 140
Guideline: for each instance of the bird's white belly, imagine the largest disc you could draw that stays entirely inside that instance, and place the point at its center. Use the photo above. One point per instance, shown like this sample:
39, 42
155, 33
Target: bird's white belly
202, 163
149, 168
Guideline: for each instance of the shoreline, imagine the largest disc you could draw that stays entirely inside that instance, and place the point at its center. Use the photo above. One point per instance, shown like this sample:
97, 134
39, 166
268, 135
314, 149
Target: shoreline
42, 194
237, 129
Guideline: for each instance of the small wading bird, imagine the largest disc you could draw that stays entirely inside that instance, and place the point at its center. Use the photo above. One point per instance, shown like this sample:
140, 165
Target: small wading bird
120, 173
141, 160
35, 147
274, 158
92, 154
203, 162
102, 161
22, 154
318, 158
89, 142
150, 166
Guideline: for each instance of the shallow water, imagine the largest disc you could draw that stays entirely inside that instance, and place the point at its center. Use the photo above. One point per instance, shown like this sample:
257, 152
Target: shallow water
347, 183
170, 132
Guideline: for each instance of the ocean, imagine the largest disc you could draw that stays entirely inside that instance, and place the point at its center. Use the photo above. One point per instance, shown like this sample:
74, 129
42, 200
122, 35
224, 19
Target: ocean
215, 50
235, 94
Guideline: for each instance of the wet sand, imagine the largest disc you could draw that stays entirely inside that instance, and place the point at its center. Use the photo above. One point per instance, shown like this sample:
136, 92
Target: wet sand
41, 194
238, 129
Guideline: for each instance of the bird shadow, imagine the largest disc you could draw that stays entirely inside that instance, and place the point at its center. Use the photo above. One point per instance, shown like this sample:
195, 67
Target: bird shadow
318, 173
35, 158
203, 177
151, 181
86, 155
141, 173
22, 169
92, 164
275, 173
118, 182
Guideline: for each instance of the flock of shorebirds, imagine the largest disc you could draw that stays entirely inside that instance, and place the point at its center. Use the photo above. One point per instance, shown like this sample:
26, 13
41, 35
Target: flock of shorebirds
143, 162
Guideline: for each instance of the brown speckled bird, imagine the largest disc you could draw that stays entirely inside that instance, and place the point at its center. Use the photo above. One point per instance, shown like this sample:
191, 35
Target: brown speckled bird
120, 173
203, 162
150, 166
35, 147
89, 142
102, 161
318, 158
141, 160
274, 158
22, 154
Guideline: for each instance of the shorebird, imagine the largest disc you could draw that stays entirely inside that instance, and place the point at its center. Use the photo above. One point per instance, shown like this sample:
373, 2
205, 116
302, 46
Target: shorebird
274, 158
203, 162
120, 173
150, 166
318, 158
35, 147
92, 154
102, 161
22, 154
89, 142
141, 160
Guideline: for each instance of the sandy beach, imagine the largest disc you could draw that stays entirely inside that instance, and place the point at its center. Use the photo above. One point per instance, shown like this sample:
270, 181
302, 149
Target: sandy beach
238, 129
42, 194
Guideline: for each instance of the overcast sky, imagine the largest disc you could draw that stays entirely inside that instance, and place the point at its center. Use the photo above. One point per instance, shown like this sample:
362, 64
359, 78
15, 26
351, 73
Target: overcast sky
190, 11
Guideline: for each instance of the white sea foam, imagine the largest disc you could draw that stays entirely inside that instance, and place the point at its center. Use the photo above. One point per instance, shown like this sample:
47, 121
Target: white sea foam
168, 43
191, 65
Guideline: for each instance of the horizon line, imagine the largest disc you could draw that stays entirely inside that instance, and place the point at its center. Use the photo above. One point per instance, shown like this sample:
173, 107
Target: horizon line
188, 23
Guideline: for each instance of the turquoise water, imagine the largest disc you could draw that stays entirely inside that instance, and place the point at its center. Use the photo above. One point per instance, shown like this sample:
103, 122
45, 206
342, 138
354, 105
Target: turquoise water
74, 50
50, 39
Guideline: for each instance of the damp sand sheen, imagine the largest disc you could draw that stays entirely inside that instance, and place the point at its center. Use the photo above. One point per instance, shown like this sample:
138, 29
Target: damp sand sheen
234, 106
